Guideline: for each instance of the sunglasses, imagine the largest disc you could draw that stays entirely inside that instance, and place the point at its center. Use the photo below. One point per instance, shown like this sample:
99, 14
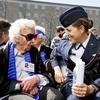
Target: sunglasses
29, 37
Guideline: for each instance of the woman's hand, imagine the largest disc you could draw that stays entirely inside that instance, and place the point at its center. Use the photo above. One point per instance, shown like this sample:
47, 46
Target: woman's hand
33, 91
80, 90
58, 75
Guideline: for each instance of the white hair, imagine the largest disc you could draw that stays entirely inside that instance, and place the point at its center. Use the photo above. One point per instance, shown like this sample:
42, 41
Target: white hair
40, 31
17, 26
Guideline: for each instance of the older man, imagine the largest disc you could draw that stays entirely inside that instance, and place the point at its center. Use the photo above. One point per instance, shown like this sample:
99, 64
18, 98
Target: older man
19, 78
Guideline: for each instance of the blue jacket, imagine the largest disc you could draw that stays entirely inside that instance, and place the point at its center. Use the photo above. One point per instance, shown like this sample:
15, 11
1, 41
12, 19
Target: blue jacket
60, 53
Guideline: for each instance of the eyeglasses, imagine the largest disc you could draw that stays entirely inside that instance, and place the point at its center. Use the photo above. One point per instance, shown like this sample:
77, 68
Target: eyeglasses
29, 37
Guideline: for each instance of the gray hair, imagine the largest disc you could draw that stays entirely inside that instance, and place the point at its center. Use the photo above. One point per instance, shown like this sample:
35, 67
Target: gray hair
19, 25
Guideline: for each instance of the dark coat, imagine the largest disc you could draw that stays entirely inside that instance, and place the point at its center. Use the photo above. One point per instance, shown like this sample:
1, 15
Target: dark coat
92, 70
8, 86
46, 51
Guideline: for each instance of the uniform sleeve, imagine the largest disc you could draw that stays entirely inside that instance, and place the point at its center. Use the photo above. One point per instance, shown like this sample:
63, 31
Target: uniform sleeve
60, 53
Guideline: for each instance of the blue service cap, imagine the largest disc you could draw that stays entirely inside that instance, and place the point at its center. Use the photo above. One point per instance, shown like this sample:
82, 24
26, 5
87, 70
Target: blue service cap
71, 15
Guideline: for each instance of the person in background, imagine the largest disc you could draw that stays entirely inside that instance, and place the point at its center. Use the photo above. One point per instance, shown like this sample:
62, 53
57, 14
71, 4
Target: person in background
44, 53
82, 45
38, 42
45, 66
20, 77
93, 30
58, 35
4, 34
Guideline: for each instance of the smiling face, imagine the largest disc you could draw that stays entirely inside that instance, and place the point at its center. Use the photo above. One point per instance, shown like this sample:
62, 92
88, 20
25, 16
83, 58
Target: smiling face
76, 34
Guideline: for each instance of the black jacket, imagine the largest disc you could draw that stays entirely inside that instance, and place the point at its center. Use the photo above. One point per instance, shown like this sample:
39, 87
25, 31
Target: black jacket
46, 51
92, 70
8, 86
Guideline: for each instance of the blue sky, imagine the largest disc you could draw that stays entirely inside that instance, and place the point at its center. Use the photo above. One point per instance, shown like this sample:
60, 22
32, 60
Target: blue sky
92, 3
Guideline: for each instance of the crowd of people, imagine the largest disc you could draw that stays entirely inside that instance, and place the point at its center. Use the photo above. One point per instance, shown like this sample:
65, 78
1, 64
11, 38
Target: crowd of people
31, 70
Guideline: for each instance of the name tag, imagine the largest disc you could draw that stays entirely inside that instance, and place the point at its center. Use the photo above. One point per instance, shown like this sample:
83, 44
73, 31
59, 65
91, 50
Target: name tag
28, 67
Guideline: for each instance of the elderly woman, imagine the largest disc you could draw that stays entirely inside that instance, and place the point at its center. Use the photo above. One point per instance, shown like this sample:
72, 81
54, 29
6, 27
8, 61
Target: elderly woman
19, 78
82, 45
14, 63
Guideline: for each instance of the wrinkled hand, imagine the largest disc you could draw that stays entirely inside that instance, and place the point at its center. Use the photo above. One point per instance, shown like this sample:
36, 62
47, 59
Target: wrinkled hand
58, 75
80, 90
28, 83
33, 91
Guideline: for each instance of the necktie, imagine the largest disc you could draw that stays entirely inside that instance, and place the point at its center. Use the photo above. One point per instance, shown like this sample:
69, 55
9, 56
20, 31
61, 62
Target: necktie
78, 46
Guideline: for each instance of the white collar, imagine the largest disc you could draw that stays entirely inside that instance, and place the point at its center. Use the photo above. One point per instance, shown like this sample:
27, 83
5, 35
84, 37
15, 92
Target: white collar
16, 52
39, 48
